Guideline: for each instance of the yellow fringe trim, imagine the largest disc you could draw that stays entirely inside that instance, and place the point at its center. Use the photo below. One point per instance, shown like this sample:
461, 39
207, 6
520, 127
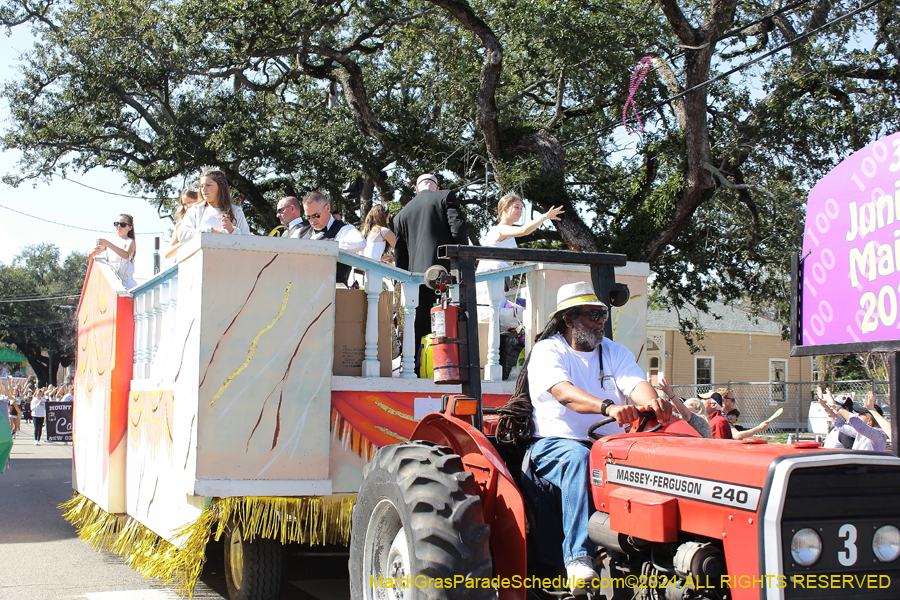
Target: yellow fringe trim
313, 520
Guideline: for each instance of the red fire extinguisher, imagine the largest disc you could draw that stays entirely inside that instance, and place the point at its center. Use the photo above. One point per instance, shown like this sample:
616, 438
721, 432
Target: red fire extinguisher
446, 342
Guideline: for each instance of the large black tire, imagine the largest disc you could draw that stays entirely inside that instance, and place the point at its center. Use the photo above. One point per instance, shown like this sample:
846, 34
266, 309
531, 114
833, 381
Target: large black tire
253, 570
418, 516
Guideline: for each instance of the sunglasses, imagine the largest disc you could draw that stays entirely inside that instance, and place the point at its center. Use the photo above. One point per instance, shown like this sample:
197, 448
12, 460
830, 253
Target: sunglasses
119, 224
315, 216
281, 210
596, 314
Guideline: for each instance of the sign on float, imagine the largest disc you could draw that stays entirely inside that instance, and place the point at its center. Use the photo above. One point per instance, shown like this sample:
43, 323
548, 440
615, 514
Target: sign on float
850, 287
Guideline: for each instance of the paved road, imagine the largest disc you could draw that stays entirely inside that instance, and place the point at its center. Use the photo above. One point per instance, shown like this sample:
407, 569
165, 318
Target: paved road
41, 557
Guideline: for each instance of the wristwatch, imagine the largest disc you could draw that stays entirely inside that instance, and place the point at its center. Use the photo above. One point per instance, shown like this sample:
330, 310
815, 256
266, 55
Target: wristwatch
604, 408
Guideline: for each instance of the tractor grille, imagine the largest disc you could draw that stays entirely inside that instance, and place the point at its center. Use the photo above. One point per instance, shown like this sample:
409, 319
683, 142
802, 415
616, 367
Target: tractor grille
842, 502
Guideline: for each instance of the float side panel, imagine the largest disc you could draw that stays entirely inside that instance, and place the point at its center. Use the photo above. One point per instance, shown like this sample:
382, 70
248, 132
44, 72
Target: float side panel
105, 353
265, 363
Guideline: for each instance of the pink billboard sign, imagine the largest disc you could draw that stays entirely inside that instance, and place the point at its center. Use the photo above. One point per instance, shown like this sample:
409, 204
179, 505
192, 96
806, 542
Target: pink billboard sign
851, 250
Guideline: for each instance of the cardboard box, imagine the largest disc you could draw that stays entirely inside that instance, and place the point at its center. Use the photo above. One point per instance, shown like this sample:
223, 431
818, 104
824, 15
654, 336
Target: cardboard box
350, 309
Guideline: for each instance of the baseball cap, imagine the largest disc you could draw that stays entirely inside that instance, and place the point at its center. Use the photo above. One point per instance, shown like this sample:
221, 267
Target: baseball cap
862, 410
845, 402
426, 177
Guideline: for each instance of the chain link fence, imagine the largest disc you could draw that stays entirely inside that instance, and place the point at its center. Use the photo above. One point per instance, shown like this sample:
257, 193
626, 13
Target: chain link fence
757, 401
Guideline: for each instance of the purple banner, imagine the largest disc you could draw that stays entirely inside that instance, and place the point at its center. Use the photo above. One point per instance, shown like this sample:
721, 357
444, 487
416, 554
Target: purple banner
851, 249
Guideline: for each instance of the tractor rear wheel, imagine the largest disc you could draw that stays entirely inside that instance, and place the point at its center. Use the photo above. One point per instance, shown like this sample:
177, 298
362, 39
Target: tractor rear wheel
417, 522
253, 570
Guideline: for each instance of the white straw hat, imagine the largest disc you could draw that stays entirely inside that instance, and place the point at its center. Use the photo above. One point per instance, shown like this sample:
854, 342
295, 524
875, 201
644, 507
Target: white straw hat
576, 294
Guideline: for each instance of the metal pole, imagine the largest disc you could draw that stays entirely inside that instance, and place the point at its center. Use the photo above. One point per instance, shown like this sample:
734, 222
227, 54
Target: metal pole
893, 373
156, 256
468, 304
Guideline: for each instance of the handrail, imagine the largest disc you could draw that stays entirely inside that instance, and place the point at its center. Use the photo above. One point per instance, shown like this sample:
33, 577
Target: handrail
381, 268
157, 279
505, 272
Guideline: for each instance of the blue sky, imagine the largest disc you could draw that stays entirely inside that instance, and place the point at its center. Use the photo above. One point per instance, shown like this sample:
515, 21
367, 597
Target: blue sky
63, 201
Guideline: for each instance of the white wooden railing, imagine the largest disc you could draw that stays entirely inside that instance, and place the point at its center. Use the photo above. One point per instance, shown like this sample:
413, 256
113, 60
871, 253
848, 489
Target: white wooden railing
376, 272
155, 303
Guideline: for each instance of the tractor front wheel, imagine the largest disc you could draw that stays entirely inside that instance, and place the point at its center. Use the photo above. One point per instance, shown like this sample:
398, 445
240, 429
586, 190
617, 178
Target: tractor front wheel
417, 524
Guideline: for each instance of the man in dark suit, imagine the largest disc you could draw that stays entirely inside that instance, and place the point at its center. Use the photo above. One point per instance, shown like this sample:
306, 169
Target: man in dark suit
317, 210
431, 219
288, 212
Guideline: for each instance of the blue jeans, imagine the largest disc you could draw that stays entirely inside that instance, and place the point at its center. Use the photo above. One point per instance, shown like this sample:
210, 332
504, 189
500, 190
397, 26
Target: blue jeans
566, 464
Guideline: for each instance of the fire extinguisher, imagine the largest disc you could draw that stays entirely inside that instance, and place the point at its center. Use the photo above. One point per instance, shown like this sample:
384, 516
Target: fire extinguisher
446, 342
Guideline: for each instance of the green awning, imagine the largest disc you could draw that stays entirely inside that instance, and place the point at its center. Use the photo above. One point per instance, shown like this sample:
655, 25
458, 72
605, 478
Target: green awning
9, 356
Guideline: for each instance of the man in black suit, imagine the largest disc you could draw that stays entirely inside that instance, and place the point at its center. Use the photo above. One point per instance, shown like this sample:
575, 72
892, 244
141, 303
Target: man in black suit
288, 212
431, 219
317, 210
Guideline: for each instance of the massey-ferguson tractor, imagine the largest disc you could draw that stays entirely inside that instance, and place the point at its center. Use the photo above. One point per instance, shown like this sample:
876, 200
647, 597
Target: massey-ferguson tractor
449, 513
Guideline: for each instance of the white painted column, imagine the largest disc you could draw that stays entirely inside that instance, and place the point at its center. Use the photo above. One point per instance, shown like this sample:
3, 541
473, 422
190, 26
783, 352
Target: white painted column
173, 298
370, 366
155, 321
409, 300
493, 371
140, 337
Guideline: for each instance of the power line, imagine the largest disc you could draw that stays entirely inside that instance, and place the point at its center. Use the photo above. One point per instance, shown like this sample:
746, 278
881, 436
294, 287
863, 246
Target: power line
799, 38
106, 192
724, 36
72, 294
2, 301
73, 226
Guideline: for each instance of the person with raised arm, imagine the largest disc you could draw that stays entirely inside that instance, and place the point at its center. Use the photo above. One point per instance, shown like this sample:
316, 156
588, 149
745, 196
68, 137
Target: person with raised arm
503, 235
119, 252
690, 417
863, 428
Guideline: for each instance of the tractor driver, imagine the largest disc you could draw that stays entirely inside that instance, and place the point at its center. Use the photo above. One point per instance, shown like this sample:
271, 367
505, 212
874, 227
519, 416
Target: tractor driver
575, 378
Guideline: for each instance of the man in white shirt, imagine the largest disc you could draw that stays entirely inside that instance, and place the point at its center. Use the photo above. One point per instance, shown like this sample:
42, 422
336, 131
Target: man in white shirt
288, 212
575, 377
317, 210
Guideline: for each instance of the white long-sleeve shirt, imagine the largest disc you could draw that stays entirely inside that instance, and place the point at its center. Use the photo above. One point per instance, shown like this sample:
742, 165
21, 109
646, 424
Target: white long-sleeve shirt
348, 238
37, 406
203, 218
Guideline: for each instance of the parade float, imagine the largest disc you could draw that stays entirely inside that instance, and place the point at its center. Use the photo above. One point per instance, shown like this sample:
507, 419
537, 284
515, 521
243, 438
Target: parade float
241, 394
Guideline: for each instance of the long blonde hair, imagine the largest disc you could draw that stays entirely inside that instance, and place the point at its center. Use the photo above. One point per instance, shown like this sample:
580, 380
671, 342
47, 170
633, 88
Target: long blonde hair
181, 208
507, 199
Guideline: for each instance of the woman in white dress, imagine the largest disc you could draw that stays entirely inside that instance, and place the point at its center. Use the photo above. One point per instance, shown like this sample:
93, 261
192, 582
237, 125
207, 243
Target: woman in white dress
378, 235
503, 235
215, 213
119, 252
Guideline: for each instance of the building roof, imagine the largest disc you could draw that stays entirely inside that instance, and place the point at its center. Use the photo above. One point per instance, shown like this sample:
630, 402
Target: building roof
11, 356
734, 320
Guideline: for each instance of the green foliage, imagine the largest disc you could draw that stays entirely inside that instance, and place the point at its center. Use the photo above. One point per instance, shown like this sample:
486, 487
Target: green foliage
516, 94
35, 286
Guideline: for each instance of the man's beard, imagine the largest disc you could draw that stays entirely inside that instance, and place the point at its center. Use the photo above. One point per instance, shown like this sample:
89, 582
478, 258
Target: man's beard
585, 337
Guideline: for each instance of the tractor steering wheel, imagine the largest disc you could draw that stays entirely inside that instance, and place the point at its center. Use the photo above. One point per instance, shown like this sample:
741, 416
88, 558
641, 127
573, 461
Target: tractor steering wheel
643, 416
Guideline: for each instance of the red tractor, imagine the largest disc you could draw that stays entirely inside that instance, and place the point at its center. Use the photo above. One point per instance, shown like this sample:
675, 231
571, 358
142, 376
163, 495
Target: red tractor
450, 513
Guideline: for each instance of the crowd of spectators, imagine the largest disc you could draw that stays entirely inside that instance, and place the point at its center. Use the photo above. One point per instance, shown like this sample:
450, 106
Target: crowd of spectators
25, 401
712, 414
854, 427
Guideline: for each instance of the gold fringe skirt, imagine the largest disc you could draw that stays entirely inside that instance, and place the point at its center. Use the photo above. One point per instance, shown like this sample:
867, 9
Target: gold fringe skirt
313, 520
